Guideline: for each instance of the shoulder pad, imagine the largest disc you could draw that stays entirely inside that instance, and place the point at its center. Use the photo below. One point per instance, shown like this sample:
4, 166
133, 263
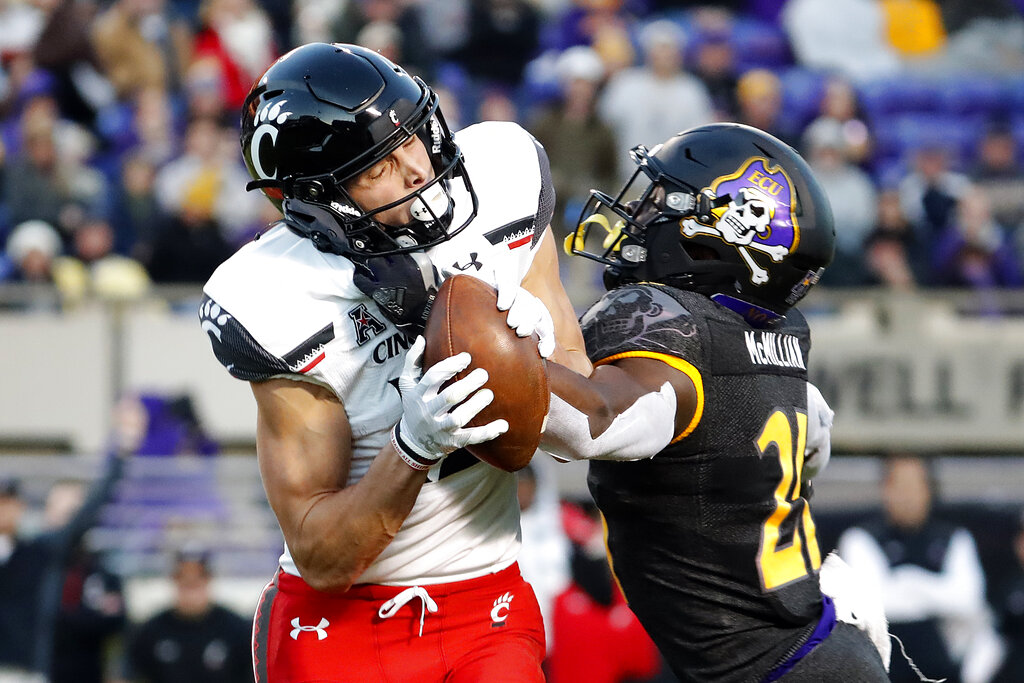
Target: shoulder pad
235, 348
640, 317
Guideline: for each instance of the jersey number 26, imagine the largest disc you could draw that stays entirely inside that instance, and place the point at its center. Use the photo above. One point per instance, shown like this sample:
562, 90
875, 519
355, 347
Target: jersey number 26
782, 560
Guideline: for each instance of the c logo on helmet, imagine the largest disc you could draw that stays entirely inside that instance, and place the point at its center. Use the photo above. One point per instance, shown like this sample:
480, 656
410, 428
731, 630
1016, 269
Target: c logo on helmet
264, 139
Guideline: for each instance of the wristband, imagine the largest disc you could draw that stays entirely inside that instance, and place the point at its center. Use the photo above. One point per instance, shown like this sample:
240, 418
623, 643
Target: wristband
409, 453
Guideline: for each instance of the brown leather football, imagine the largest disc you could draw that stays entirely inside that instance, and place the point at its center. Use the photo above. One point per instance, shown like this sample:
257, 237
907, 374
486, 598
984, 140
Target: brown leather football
465, 317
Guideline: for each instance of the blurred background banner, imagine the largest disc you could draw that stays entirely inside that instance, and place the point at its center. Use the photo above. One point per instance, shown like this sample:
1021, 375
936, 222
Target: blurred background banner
926, 371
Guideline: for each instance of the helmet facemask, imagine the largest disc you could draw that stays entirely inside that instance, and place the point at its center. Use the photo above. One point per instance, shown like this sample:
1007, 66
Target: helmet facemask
636, 234
310, 199
723, 210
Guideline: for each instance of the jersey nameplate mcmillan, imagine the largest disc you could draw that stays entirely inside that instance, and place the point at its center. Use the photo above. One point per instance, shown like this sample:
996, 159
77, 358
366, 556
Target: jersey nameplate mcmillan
770, 348
739, 350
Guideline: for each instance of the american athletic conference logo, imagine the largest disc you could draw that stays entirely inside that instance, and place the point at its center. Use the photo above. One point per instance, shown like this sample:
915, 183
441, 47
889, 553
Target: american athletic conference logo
320, 629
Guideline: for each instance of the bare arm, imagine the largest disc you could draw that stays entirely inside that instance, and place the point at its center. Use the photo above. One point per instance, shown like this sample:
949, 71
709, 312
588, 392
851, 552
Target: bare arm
543, 281
304, 447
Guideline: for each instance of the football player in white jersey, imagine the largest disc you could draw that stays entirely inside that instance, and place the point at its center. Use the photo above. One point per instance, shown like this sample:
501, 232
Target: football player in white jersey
400, 546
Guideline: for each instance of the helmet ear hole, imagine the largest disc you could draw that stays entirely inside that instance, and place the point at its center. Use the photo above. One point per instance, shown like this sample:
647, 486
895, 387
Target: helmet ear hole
312, 190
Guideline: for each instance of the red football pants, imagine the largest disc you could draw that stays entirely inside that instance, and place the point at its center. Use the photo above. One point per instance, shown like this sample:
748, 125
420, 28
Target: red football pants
487, 629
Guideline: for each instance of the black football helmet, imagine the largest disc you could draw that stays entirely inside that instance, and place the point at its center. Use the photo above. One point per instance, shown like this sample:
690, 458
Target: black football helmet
322, 114
725, 210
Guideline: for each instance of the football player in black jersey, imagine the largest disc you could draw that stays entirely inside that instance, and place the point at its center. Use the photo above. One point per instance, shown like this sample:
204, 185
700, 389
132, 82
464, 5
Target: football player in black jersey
701, 362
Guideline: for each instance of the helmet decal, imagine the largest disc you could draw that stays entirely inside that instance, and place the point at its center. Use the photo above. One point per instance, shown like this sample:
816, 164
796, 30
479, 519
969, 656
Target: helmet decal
264, 138
760, 215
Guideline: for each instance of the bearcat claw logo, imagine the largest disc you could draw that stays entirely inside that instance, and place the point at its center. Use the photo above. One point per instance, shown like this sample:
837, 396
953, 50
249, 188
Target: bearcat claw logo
261, 148
759, 217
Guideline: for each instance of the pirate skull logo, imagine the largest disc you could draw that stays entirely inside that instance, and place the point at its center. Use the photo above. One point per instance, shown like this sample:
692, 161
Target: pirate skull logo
758, 217
746, 216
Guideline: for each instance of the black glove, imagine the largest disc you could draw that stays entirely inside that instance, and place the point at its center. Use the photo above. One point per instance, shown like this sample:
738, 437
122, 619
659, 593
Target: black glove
403, 286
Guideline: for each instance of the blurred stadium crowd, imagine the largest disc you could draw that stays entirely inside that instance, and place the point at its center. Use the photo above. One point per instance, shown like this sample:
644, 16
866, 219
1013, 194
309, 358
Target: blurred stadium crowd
120, 169
120, 164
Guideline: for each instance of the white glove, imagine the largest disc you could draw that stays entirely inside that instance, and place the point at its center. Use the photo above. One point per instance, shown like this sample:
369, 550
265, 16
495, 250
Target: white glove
856, 603
430, 427
819, 434
526, 313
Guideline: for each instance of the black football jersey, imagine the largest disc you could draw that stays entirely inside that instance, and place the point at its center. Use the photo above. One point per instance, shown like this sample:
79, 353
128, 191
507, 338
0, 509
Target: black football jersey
710, 540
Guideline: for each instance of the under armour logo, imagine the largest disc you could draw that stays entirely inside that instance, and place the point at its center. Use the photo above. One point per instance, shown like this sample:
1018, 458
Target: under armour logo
320, 629
473, 263
499, 613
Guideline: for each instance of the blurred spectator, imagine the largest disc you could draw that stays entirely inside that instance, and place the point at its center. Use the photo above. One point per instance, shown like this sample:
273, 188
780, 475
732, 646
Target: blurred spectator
32, 577
1009, 605
853, 198
94, 268
141, 44
544, 556
405, 22
974, 251
930, 577
984, 35
32, 185
929, 193
65, 50
914, 28
164, 425
581, 148
497, 105
503, 36
715, 65
650, 103
137, 216
839, 103
583, 153
31, 249
999, 174
204, 96
238, 36
847, 36
894, 255
22, 22
588, 22
759, 97
445, 26
195, 639
92, 610
597, 637
383, 37
207, 183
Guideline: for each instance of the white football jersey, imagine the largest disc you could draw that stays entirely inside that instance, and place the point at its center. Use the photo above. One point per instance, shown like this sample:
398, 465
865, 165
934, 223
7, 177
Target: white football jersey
281, 308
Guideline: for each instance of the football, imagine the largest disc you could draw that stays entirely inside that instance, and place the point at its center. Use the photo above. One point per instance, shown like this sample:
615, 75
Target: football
465, 317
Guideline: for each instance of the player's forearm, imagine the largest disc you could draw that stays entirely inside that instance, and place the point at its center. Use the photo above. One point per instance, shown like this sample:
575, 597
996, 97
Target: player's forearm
343, 531
606, 417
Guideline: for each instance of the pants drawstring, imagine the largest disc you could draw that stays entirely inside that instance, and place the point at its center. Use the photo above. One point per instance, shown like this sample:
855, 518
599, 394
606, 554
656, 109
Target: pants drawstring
389, 608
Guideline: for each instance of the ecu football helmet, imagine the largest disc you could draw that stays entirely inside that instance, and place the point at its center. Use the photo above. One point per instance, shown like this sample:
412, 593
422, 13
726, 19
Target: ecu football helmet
322, 114
724, 209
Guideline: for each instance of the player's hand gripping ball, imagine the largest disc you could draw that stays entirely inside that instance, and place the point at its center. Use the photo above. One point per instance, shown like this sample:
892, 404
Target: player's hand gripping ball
465, 317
